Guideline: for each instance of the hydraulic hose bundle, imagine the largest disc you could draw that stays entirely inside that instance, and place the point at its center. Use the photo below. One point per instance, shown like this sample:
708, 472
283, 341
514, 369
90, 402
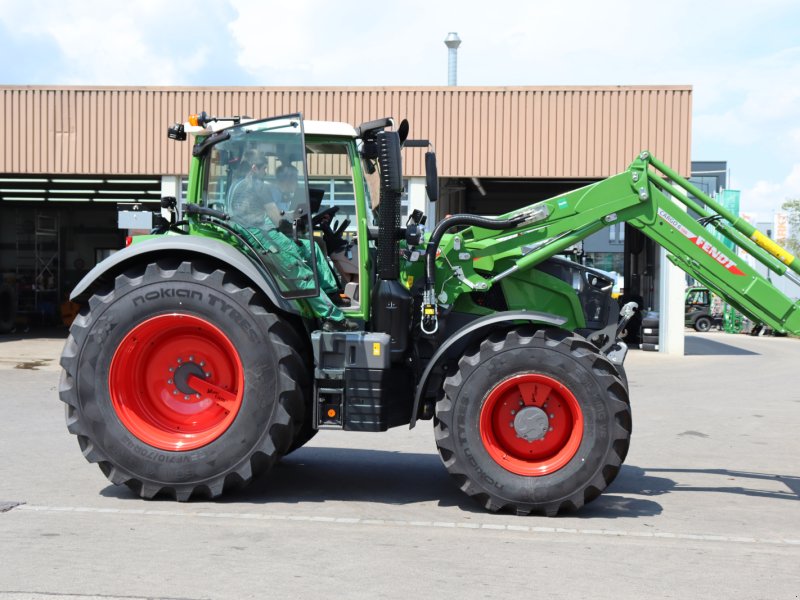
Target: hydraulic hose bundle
429, 322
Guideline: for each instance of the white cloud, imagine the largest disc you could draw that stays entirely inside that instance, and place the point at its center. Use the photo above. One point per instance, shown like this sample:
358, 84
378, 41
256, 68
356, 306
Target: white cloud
106, 43
764, 198
272, 36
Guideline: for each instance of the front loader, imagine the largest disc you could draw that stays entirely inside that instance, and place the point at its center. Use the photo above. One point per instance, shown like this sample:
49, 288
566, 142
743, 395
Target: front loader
200, 357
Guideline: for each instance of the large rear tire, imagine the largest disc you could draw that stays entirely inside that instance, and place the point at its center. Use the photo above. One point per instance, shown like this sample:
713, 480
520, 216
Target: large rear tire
178, 380
533, 421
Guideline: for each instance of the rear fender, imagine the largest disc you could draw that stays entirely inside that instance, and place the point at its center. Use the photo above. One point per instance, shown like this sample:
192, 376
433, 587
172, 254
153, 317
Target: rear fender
180, 246
476, 330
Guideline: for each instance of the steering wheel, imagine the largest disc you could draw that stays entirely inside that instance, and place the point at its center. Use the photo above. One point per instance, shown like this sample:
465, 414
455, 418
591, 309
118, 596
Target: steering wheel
334, 240
318, 219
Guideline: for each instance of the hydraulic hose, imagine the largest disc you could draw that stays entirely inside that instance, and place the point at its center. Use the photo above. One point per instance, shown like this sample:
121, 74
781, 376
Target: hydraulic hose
429, 322
455, 221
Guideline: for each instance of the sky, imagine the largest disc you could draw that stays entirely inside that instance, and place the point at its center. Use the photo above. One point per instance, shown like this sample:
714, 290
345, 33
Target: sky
741, 57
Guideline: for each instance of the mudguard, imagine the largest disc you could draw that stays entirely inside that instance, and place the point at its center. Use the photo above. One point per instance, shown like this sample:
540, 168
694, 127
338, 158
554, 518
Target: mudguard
474, 330
174, 245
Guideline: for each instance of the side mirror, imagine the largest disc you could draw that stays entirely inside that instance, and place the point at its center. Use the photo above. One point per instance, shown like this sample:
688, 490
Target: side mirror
431, 173
402, 131
431, 177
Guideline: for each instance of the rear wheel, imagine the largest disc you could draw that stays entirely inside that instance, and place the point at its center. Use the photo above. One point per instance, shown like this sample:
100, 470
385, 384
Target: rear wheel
178, 380
533, 421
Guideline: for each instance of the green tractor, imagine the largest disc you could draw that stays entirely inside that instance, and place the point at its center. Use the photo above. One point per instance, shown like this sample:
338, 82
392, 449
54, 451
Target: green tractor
228, 337
699, 304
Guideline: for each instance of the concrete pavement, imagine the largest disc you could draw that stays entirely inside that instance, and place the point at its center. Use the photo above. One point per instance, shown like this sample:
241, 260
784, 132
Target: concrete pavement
706, 505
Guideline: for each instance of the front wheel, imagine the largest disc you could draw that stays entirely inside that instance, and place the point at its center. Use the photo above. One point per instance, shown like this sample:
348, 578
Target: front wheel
533, 421
702, 324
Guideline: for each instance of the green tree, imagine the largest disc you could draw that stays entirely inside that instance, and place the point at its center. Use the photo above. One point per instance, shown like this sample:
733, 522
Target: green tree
792, 209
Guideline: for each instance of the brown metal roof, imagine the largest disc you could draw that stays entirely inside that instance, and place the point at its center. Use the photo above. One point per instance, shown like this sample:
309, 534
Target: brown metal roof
528, 132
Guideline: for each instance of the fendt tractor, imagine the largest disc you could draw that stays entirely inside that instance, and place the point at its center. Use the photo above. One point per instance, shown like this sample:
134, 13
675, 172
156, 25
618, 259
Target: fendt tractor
210, 348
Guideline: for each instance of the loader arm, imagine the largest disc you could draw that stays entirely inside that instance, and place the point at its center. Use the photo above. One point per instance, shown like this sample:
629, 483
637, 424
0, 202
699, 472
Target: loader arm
652, 198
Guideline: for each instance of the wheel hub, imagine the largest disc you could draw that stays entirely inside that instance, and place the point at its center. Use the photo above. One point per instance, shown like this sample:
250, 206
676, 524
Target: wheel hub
182, 373
531, 423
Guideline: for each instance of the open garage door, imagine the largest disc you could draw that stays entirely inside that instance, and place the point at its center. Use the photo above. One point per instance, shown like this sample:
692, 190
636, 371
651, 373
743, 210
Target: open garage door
53, 229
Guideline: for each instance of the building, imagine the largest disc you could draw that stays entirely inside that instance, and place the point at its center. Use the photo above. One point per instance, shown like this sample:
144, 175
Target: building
73, 156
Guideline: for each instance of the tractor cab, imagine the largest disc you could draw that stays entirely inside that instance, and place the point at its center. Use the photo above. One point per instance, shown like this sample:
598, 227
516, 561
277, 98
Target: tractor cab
314, 183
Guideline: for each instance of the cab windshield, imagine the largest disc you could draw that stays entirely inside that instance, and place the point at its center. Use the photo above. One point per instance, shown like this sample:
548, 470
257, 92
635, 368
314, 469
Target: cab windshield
258, 177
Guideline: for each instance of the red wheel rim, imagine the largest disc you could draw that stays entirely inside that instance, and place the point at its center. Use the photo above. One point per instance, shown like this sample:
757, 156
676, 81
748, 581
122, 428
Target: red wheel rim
564, 419
176, 382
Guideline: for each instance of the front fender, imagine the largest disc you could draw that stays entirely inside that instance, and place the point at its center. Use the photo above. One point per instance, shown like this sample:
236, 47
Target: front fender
477, 329
189, 246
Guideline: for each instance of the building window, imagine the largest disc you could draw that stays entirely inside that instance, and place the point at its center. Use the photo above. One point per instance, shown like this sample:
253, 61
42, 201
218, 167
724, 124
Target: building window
616, 234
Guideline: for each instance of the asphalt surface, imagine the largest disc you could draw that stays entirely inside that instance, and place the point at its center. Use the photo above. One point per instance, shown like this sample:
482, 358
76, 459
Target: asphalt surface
706, 505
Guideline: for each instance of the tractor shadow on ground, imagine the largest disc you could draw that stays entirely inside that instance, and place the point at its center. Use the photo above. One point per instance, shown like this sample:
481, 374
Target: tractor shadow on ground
702, 346
791, 483
316, 474
650, 482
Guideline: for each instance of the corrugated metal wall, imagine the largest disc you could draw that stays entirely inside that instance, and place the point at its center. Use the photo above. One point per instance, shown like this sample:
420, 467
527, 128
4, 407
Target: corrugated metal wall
477, 132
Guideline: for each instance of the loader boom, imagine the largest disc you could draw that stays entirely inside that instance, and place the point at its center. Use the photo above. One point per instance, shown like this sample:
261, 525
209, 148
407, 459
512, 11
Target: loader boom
655, 200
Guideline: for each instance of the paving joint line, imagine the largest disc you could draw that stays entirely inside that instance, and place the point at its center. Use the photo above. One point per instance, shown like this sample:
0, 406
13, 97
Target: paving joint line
514, 528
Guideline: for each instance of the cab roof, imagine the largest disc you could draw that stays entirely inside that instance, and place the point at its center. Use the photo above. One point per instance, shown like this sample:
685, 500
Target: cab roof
326, 128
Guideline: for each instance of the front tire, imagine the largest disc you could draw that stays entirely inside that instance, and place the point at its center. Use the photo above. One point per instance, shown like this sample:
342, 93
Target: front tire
702, 324
178, 380
533, 421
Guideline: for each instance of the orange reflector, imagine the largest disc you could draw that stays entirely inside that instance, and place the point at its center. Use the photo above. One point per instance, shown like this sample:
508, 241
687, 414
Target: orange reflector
331, 413
193, 120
